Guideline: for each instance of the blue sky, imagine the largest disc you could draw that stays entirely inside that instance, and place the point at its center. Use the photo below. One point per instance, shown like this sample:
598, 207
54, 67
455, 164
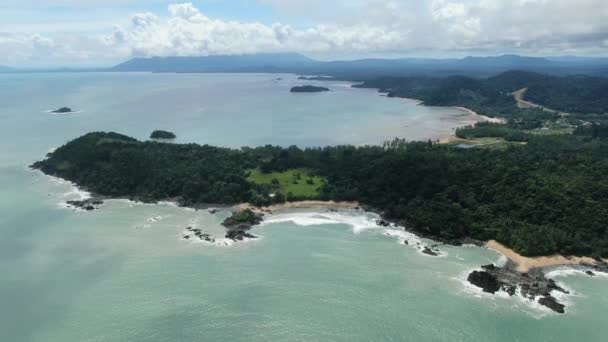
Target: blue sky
103, 32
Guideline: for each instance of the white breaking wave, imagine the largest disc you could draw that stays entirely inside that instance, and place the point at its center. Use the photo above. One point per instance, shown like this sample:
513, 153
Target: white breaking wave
569, 271
358, 223
502, 261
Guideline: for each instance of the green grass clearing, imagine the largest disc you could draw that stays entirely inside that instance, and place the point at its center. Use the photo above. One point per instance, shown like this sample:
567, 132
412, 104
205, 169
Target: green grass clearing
298, 182
486, 143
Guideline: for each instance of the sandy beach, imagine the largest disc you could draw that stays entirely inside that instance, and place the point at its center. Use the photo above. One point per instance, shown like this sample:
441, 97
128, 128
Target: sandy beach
525, 264
484, 118
300, 205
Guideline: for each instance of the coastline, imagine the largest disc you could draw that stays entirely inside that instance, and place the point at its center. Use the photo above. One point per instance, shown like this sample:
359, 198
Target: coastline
330, 205
525, 264
485, 118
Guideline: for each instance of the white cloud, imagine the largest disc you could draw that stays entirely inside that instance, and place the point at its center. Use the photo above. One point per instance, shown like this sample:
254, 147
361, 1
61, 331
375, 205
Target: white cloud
353, 27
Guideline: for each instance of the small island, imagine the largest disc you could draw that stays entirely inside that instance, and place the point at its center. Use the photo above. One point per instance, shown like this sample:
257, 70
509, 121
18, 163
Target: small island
159, 134
62, 110
308, 89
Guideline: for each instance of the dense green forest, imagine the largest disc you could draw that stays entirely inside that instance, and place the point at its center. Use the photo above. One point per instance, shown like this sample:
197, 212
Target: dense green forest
549, 195
585, 95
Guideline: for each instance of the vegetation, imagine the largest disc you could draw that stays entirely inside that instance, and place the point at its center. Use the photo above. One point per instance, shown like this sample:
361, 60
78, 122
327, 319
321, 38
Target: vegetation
62, 110
293, 184
584, 95
550, 195
544, 191
158, 134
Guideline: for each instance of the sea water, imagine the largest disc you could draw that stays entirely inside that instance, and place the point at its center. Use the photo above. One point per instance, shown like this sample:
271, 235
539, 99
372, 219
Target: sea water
124, 272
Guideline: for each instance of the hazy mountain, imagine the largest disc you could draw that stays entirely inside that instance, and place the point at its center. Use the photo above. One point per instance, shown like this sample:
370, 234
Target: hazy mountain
227, 63
363, 68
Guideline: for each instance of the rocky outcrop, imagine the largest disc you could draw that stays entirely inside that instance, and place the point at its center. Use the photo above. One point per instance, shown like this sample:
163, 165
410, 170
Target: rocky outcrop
198, 233
239, 224
492, 279
62, 110
308, 89
242, 220
428, 251
88, 204
486, 281
239, 235
552, 304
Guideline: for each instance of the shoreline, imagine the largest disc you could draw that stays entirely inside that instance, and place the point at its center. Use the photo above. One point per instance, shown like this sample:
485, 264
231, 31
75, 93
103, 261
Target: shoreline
311, 204
526, 264
485, 118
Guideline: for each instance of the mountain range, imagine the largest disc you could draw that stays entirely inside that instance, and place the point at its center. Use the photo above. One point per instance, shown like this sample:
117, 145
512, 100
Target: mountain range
297, 63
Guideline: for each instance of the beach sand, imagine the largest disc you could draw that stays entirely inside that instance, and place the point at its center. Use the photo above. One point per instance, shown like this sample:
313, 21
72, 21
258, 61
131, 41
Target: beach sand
300, 205
525, 264
483, 117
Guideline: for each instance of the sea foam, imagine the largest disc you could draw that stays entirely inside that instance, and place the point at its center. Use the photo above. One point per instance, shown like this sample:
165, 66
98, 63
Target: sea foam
358, 222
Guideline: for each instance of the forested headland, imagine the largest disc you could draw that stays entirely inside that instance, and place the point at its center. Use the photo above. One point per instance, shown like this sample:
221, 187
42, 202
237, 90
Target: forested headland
549, 195
581, 96
541, 188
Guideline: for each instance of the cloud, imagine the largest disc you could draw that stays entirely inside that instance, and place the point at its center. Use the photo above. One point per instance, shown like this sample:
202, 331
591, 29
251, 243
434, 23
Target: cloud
186, 32
353, 27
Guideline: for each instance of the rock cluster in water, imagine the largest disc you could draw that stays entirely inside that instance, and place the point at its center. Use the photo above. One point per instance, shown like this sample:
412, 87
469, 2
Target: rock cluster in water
492, 279
88, 204
198, 233
239, 224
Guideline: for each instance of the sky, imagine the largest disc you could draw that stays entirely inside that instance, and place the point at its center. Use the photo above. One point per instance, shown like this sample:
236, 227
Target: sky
43, 33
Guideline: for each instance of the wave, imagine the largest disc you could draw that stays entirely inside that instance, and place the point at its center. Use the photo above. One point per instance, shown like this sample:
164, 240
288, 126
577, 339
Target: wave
358, 223
573, 271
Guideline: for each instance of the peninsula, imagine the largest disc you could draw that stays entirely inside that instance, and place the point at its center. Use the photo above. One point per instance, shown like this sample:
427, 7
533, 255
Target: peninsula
534, 182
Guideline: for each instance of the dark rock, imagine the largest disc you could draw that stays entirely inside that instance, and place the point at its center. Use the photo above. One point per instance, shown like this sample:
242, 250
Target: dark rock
62, 110
552, 304
239, 235
187, 237
308, 89
590, 273
213, 211
510, 289
383, 223
88, 204
429, 251
242, 220
490, 267
406, 242
486, 281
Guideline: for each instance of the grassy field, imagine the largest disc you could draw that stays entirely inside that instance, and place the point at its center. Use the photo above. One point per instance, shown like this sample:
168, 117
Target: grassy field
298, 182
486, 143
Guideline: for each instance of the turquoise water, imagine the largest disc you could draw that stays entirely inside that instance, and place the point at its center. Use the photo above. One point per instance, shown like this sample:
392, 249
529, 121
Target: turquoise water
122, 273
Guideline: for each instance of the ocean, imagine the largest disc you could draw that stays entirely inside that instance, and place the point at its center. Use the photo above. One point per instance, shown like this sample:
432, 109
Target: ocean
124, 273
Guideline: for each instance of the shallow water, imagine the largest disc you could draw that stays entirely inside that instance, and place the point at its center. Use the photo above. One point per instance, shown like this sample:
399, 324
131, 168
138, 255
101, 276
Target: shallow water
123, 273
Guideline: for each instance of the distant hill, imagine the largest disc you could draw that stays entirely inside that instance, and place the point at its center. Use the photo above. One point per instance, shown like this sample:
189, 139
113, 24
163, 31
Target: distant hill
367, 68
578, 94
270, 62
